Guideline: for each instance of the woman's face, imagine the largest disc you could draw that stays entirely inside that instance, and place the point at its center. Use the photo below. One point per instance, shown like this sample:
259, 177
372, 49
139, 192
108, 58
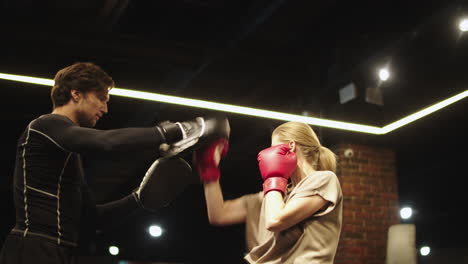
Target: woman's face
275, 140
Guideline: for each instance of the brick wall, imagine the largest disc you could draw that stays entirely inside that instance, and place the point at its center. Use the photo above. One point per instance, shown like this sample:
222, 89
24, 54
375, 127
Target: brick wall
369, 183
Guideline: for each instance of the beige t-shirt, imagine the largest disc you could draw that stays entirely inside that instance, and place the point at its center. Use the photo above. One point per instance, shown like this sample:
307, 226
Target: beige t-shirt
314, 240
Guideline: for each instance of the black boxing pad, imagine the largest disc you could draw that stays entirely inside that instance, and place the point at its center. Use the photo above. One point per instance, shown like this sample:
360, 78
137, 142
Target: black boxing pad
163, 182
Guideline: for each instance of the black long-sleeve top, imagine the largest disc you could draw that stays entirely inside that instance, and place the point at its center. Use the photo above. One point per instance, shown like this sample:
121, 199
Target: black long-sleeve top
49, 188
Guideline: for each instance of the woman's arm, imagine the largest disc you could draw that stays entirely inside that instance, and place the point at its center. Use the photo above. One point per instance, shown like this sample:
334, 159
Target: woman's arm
281, 216
206, 161
222, 212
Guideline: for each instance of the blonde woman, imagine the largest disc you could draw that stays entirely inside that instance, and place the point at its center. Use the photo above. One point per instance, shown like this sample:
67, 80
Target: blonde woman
297, 217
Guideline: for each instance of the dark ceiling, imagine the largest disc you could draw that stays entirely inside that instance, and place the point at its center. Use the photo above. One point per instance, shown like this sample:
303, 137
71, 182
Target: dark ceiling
288, 56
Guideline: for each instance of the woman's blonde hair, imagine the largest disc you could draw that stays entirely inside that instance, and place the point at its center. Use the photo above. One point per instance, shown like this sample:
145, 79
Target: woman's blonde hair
303, 135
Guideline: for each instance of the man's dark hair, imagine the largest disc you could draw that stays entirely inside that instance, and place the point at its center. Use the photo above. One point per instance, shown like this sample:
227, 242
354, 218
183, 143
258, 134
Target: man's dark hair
81, 76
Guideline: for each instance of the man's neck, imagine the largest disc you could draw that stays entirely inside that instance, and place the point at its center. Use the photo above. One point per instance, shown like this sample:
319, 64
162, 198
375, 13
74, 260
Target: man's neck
65, 111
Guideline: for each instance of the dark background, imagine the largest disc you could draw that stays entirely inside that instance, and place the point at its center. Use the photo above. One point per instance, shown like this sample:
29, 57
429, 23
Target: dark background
287, 56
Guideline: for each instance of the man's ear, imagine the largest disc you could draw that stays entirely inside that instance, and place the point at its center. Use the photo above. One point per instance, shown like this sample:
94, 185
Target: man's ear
75, 95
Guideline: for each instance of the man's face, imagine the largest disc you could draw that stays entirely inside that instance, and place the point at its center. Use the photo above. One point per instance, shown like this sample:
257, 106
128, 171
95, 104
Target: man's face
91, 107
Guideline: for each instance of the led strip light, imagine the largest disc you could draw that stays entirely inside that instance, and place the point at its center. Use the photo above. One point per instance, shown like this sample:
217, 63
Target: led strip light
259, 112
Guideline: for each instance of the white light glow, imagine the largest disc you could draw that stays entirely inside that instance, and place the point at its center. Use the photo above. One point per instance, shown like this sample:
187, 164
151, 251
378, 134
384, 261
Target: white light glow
463, 25
258, 112
26, 79
422, 113
406, 212
155, 231
113, 250
384, 74
244, 110
425, 250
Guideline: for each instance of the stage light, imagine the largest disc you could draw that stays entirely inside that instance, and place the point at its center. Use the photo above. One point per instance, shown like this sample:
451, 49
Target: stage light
425, 250
406, 212
250, 111
113, 250
463, 25
155, 231
384, 74
424, 112
26, 79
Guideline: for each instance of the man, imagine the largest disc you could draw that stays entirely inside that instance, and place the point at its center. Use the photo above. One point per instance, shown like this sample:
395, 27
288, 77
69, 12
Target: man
51, 196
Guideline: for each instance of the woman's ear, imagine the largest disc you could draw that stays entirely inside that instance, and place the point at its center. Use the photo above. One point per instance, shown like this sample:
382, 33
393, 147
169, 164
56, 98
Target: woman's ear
292, 146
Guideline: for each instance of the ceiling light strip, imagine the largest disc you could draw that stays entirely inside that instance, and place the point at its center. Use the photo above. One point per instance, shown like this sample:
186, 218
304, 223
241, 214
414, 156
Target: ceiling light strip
214, 106
26, 79
424, 112
244, 110
258, 112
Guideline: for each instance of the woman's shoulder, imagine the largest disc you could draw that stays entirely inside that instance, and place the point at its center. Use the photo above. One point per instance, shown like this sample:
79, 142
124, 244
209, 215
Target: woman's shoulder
322, 175
319, 178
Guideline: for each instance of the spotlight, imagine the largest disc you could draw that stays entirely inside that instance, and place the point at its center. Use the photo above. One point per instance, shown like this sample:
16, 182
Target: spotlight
425, 250
155, 231
384, 74
114, 250
406, 212
463, 25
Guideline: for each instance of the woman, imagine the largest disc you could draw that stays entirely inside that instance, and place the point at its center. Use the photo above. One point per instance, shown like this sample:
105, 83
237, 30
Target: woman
299, 222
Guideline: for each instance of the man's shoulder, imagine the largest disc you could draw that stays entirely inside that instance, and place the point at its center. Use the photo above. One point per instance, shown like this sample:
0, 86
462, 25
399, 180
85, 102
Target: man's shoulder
47, 120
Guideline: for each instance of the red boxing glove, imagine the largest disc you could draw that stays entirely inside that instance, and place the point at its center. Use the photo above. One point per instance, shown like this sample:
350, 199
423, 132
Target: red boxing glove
205, 159
276, 165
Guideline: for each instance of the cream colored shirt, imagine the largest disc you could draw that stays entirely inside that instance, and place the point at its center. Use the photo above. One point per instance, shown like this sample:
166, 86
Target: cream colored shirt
314, 240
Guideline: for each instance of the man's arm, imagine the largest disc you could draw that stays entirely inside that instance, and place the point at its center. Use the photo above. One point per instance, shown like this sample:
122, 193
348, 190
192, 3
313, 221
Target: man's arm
73, 138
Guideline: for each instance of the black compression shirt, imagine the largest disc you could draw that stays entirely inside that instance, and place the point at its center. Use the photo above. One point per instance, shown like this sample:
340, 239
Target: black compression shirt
49, 187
